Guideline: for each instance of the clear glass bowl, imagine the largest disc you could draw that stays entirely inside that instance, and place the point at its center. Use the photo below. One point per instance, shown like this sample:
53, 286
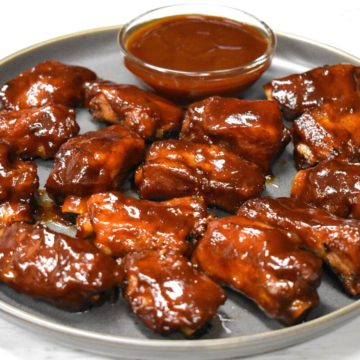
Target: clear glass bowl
191, 85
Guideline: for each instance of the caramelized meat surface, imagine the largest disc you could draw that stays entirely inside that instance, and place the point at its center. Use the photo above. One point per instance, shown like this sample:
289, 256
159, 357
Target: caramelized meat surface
48, 82
335, 240
18, 179
15, 211
301, 92
38, 132
69, 273
149, 115
262, 262
252, 129
175, 168
95, 161
328, 131
122, 225
333, 185
18, 183
168, 294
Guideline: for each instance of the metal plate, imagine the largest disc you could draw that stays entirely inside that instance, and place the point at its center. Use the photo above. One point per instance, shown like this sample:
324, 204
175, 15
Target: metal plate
240, 329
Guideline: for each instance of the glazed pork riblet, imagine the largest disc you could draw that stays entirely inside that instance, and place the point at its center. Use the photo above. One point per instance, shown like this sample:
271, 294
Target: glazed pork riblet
149, 115
18, 179
95, 161
38, 132
335, 240
168, 294
122, 225
333, 185
175, 168
301, 92
252, 129
15, 211
69, 273
48, 82
18, 183
264, 263
328, 131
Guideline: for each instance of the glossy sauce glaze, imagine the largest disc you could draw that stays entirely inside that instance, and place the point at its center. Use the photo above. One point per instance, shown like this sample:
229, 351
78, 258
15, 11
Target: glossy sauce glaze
168, 293
95, 161
328, 131
48, 82
18, 179
333, 185
253, 129
197, 43
18, 183
69, 273
175, 168
335, 240
15, 211
298, 93
149, 115
38, 132
264, 263
122, 225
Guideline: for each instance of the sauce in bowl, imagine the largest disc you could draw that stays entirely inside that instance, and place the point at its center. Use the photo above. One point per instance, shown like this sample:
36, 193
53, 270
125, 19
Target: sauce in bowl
197, 43
187, 56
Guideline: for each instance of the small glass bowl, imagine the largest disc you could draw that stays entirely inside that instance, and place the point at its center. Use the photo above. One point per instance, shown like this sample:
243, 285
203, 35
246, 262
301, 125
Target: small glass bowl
191, 85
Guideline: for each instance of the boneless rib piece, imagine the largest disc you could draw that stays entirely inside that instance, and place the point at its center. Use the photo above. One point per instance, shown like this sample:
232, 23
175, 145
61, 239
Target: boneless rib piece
95, 161
15, 211
175, 168
121, 225
333, 185
298, 93
38, 132
335, 240
168, 294
331, 130
48, 82
18, 184
69, 273
264, 263
18, 179
252, 129
150, 115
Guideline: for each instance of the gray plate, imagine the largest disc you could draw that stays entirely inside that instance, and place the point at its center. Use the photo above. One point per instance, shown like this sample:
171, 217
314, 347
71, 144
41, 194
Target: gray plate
239, 329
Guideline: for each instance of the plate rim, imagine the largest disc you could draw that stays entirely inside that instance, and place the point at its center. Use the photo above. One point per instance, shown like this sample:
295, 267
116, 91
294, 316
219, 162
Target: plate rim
336, 316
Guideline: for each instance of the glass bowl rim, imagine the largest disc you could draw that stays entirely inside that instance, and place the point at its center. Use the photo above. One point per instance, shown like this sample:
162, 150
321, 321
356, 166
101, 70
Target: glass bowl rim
251, 66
